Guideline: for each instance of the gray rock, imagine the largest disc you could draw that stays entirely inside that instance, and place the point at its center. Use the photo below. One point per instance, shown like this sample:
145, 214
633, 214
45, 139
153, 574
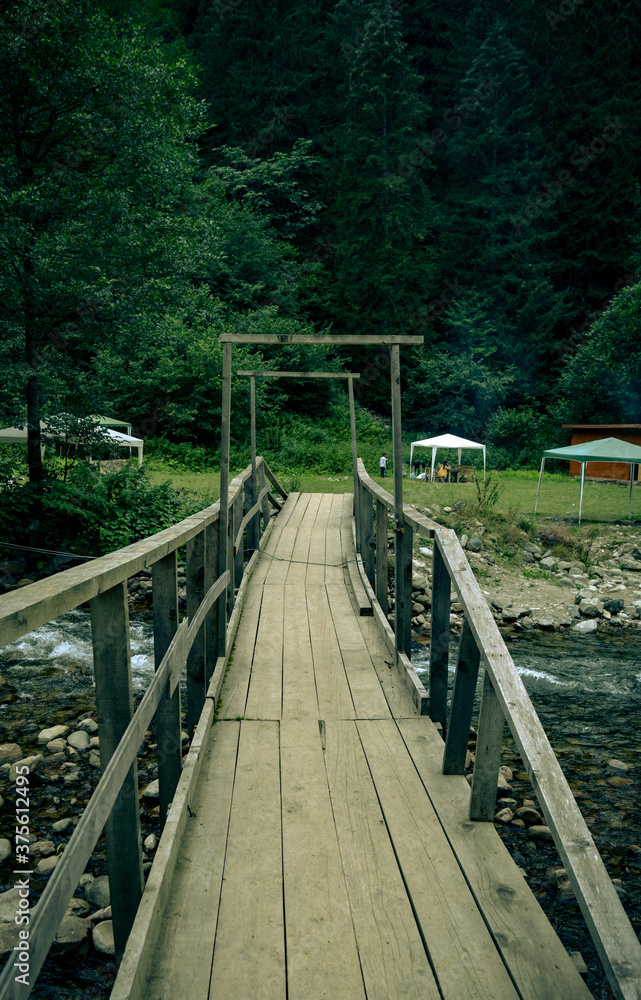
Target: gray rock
9, 938
152, 791
150, 842
590, 608
618, 766
46, 865
88, 725
56, 746
78, 907
614, 605
563, 567
527, 556
548, 562
529, 815
501, 603
628, 563
546, 624
98, 892
71, 936
94, 757
103, 938
9, 752
540, 833
62, 825
5, 849
9, 902
504, 816
42, 848
52, 733
99, 915
464, 540
579, 964
34, 763
475, 544
79, 739
85, 880
586, 627
566, 582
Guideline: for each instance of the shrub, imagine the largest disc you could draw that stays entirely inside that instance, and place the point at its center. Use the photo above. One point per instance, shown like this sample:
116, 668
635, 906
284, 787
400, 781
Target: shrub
555, 534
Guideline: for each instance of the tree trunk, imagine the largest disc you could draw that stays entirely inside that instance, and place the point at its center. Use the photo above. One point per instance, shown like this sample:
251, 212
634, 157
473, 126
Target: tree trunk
34, 454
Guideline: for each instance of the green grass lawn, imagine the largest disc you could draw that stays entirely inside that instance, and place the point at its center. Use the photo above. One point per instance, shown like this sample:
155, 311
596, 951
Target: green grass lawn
517, 492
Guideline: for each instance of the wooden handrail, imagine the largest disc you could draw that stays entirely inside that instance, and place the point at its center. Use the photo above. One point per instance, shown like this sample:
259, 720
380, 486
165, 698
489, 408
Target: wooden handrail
505, 698
29, 607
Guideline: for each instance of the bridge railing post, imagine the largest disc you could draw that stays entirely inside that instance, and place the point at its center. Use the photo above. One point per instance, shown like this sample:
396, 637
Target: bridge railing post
367, 535
261, 487
195, 572
381, 555
239, 555
115, 708
168, 720
212, 541
464, 690
439, 637
403, 587
487, 759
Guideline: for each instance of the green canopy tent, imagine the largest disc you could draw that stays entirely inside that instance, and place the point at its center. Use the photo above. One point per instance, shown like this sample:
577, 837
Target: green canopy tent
605, 450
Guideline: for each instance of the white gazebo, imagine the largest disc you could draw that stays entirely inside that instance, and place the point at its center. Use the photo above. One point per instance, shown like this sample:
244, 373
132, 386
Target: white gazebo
18, 435
446, 441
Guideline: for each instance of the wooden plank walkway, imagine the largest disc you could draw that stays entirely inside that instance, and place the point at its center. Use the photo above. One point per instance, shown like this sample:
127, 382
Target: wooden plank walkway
326, 855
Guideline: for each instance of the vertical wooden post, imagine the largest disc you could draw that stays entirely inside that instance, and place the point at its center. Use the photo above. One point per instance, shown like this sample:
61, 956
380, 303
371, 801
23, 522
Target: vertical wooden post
115, 705
168, 723
195, 572
367, 519
352, 425
212, 539
253, 528
239, 558
458, 729
403, 533
439, 637
225, 422
252, 533
261, 487
487, 759
381, 555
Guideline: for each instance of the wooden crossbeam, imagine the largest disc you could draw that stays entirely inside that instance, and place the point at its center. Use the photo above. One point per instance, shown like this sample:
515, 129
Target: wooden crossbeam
338, 339
258, 374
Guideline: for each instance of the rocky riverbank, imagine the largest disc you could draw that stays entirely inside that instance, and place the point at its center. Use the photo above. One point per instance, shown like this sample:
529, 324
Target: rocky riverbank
587, 583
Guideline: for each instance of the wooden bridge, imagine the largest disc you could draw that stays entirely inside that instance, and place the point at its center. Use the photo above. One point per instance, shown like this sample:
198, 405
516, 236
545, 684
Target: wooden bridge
319, 839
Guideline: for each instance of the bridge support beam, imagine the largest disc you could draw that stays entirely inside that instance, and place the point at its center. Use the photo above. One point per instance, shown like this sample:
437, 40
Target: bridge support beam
115, 708
224, 563
168, 722
439, 637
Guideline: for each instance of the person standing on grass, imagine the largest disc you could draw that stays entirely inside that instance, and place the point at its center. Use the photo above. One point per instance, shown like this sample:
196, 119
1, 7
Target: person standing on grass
383, 465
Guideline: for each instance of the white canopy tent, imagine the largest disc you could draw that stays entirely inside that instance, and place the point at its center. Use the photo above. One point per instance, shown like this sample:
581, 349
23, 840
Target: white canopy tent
18, 435
446, 441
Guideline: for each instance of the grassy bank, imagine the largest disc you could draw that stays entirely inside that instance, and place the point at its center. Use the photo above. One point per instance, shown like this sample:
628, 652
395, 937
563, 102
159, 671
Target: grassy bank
559, 496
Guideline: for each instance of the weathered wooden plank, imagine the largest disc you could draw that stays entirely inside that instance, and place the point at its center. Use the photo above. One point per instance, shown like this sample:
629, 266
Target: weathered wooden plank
333, 548
281, 551
487, 758
322, 958
168, 719
359, 340
394, 688
367, 696
299, 684
536, 959
306, 533
233, 697
196, 681
269, 549
249, 954
334, 696
390, 949
439, 639
316, 558
180, 963
465, 678
462, 953
265, 695
115, 709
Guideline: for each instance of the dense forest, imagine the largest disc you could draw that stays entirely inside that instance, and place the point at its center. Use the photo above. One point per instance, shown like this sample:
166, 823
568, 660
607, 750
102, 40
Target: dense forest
465, 170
